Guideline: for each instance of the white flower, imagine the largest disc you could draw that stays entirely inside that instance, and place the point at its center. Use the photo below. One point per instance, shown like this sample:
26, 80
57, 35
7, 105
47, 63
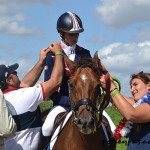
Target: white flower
124, 132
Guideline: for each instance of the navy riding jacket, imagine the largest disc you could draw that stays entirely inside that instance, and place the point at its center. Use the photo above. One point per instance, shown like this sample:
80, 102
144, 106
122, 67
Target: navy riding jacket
56, 97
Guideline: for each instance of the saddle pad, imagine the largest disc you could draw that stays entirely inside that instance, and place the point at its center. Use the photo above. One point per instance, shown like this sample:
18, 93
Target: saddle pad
55, 135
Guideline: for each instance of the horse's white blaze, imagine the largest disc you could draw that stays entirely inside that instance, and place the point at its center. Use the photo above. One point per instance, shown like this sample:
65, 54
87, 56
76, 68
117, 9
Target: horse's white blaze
84, 77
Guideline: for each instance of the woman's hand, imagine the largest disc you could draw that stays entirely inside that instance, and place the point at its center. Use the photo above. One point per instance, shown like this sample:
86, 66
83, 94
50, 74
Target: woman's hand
102, 81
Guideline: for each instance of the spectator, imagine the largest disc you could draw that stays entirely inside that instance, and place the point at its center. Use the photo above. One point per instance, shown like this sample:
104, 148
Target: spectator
7, 123
136, 121
24, 98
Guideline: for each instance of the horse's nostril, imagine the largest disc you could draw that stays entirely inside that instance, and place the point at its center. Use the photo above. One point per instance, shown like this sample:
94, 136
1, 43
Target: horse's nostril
91, 123
79, 121
84, 125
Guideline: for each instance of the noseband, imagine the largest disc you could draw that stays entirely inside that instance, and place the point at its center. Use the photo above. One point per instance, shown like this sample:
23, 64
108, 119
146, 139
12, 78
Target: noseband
86, 102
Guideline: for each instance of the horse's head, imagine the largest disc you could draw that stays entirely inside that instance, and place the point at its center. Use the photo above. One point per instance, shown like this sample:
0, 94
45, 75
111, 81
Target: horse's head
84, 89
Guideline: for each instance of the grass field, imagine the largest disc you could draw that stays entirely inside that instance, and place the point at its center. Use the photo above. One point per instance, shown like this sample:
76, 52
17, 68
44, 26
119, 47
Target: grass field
113, 113
116, 117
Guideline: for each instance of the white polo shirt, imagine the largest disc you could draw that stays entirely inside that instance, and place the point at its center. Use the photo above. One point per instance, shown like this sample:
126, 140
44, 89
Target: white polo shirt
23, 104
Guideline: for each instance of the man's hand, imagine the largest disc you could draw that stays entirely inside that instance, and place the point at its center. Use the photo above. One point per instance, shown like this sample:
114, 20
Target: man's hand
43, 54
55, 47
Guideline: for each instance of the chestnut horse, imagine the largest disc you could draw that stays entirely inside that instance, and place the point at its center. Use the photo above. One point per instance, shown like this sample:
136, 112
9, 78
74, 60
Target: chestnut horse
85, 128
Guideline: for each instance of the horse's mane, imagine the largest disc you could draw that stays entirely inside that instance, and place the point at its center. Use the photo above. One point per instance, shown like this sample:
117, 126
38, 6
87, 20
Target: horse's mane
87, 62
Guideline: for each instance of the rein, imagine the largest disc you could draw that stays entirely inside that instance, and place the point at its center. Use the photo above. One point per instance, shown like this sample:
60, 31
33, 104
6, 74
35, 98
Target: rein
106, 98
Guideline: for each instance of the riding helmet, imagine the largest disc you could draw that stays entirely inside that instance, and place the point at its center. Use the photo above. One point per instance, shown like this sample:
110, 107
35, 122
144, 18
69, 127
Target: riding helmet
69, 22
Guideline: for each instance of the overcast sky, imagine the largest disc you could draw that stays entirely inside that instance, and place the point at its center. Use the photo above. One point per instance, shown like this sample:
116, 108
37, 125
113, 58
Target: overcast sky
118, 29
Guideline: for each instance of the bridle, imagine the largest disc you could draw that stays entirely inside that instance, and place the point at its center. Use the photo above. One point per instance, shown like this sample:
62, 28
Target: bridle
97, 108
88, 104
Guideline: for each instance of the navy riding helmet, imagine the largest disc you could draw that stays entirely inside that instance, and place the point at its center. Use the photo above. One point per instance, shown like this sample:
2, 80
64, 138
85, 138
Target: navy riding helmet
69, 22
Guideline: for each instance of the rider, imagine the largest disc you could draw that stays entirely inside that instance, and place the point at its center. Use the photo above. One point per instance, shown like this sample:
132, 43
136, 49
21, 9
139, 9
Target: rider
69, 26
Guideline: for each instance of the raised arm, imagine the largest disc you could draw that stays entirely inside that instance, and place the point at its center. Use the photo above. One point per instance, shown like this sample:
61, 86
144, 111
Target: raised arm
33, 75
139, 114
55, 80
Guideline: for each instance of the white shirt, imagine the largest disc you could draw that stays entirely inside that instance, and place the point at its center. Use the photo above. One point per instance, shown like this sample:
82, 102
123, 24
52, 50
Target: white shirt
69, 50
19, 102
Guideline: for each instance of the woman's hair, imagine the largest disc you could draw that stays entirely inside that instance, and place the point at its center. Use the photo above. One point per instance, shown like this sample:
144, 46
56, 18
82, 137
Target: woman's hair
145, 77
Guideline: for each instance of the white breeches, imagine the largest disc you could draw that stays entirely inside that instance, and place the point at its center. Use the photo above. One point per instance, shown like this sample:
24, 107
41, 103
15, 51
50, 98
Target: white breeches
49, 121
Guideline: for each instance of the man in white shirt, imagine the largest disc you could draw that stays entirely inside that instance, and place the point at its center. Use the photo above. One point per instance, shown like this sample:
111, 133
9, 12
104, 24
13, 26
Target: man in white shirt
23, 98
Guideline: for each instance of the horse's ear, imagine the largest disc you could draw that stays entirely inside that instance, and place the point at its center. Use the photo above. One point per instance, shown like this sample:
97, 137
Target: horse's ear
70, 64
96, 55
98, 61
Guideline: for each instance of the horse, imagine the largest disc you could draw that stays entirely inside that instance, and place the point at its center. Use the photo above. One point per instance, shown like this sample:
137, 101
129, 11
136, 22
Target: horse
85, 128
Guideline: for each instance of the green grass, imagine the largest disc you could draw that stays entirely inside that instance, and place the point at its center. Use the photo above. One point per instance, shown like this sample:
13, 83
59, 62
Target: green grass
46, 105
112, 112
116, 117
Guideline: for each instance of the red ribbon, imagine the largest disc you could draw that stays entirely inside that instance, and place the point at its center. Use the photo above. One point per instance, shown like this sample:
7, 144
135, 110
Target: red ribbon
117, 133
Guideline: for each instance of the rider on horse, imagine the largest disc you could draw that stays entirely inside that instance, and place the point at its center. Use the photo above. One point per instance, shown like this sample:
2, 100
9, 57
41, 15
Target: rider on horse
69, 25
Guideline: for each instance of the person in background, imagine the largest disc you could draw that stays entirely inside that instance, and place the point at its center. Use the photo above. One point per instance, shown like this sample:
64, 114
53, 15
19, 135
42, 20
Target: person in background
23, 98
7, 124
136, 121
69, 27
